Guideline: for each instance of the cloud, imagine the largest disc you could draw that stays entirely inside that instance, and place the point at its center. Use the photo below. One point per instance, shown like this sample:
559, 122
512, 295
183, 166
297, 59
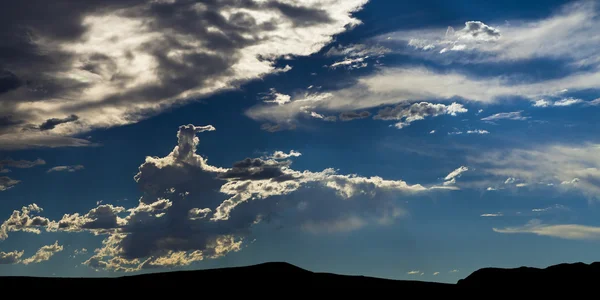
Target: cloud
454, 271
564, 167
493, 215
10, 258
560, 103
20, 141
567, 102
110, 63
65, 168
436, 273
413, 272
355, 55
417, 111
563, 231
7, 183
52, 123
475, 43
562, 35
24, 220
515, 115
21, 164
477, 131
450, 179
43, 254
350, 115
542, 103
190, 210
283, 155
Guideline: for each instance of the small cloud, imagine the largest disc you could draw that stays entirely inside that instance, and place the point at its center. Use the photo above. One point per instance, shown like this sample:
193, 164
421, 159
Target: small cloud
432, 132
436, 273
283, 155
567, 102
454, 271
478, 131
65, 168
492, 215
491, 189
515, 115
413, 272
521, 184
542, 103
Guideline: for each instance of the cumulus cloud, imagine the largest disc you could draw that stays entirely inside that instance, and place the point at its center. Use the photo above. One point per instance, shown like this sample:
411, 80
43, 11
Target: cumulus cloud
70, 69
417, 111
190, 210
565, 167
563, 231
43, 254
515, 115
65, 168
24, 220
9, 258
283, 155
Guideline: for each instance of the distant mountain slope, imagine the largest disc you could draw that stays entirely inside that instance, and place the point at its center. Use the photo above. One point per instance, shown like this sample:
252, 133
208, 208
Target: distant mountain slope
275, 276
556, 277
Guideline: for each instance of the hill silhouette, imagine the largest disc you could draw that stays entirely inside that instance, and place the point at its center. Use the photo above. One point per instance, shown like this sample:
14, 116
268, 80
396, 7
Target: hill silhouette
279, 275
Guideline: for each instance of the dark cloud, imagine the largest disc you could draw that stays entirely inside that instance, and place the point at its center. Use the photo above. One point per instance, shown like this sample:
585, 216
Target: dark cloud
349, 116
192, 48
302, 16
8, 81
257, 169
51, 123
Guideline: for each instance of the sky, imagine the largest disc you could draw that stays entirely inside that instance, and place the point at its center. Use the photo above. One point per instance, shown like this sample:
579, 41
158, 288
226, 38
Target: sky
416, 140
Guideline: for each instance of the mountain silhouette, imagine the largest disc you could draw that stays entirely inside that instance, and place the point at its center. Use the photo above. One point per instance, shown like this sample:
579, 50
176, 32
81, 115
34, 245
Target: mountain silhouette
275, 276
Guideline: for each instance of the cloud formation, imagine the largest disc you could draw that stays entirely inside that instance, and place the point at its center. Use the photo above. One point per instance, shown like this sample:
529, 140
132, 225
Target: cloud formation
563, 231
515, 115
66, 168
43, 254
407, 114
191, 210
565, 167
70, 69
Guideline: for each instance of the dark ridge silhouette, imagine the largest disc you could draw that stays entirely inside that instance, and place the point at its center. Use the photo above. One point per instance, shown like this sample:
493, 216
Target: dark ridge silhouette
274, 276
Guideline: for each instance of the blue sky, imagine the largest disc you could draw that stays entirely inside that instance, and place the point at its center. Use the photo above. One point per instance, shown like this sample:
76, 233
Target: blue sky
417, 140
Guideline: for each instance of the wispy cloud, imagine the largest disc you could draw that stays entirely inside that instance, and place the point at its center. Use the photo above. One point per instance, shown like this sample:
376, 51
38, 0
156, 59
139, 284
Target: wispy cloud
563, 231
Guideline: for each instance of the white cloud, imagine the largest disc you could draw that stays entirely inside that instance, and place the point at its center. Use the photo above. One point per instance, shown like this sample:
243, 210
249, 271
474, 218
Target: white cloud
566, 167
65, 168
413, 272
477, 131
436, 273
563, 231
417, 111
43, 254
454, 271
9, 258
432, 132
493, 215
131, 62
283, 155
515, 115
564, 34
542, 103
567, 102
